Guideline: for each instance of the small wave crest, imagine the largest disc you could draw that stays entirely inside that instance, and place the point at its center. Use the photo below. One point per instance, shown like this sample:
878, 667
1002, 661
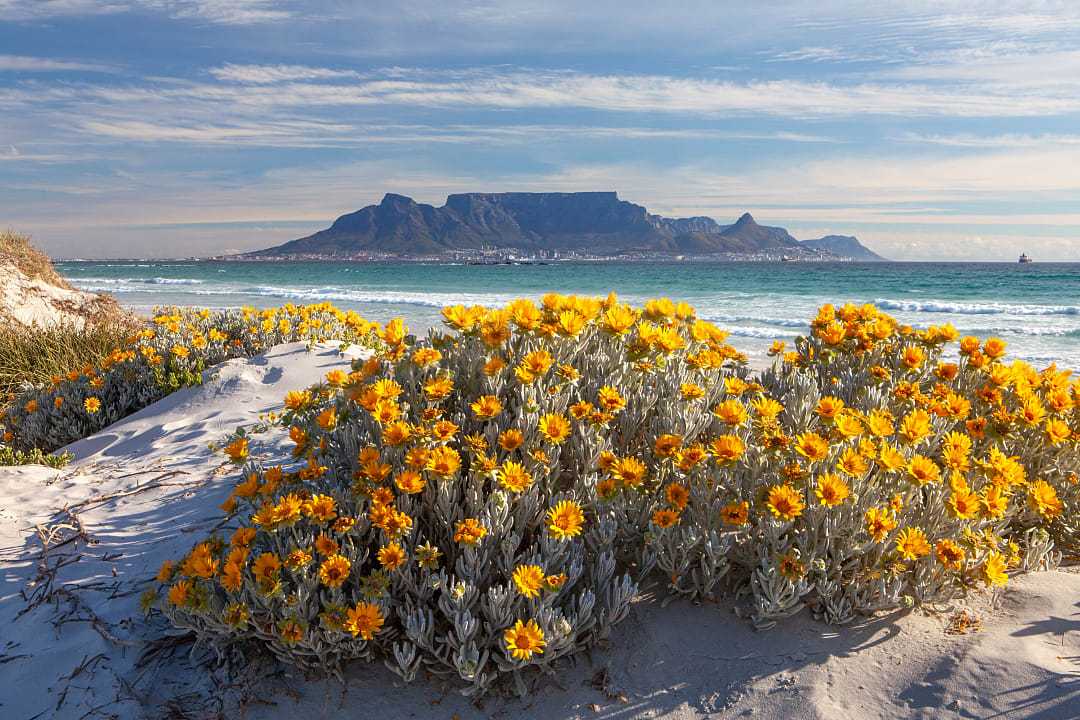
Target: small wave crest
974, 308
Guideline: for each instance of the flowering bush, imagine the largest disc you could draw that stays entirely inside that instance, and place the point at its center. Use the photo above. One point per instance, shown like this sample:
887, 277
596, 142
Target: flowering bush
485, 501
169, 354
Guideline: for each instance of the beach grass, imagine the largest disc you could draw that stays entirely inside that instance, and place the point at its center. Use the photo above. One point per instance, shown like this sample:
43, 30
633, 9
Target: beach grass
33, 356
16, 248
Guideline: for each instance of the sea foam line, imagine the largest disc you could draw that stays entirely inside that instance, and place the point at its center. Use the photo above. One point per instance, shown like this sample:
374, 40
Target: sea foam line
962, 308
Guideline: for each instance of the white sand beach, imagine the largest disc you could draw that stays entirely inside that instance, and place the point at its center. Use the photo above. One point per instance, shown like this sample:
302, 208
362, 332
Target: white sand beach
78, 546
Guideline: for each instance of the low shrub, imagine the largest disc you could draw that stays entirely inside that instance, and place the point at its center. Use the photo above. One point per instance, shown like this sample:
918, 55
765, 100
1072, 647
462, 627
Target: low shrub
485, 501
169, 353
9, 457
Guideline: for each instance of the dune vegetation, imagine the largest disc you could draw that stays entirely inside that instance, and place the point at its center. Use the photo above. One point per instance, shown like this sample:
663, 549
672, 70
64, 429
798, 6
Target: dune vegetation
482, 502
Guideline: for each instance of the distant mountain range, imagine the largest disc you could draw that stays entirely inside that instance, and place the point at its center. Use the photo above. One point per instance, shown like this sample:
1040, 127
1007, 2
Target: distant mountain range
584, 223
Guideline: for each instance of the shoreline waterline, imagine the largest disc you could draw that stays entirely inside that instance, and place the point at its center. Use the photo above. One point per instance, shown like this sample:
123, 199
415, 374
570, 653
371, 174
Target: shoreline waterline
1035, 308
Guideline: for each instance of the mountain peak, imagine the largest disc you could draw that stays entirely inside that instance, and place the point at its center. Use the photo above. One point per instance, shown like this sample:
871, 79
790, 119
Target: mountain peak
746, 219
396, 199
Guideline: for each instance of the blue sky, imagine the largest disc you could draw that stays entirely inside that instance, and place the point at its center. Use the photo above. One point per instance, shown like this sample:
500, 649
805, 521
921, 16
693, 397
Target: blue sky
162, 128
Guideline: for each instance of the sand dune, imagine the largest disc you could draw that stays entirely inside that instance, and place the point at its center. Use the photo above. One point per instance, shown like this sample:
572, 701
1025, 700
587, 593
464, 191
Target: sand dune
146, 488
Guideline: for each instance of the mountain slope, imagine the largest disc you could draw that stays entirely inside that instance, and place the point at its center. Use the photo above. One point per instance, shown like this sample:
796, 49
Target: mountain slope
845, 246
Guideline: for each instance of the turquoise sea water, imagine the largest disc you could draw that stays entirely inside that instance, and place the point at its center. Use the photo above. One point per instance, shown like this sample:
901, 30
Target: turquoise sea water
1035, 307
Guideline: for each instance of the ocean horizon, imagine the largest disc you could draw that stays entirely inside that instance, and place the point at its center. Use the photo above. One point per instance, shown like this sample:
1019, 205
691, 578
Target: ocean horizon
1035, 307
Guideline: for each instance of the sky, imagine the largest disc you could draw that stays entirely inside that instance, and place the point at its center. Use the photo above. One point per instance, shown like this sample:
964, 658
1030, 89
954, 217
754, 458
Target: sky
167, 128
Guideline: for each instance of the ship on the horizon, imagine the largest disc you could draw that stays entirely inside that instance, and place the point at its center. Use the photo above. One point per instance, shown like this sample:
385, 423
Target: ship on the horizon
1024, 259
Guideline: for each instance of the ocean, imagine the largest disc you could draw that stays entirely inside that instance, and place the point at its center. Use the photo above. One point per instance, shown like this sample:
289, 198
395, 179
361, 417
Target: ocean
1035, 307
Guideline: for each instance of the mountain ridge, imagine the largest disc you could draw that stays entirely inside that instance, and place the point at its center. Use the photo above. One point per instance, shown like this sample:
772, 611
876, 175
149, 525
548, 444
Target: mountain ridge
594, 223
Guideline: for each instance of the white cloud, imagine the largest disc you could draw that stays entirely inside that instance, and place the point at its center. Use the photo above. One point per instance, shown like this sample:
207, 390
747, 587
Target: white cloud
18, 10
229, 12
308, 133
25, 63
516, 89
1008, 140
265, 74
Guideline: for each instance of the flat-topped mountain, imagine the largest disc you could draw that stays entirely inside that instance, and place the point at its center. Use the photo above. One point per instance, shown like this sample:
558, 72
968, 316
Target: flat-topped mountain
592, 223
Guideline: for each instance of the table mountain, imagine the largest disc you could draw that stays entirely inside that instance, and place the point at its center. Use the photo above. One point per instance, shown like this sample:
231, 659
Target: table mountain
595, 223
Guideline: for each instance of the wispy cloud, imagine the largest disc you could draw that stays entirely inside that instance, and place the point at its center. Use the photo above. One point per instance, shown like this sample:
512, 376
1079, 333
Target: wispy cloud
1009, 140
519, 89
265, 74
229, 12
27, 64
301, 133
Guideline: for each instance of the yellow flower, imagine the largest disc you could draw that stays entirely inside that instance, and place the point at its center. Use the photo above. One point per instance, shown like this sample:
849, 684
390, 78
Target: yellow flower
812, 446
327, 419
912, 357
180, 592
237, 450
529, 580
731, 412
201, 562
690, 391
391, 556
666, 445
296, 399
950, 554
410, 482
365, 620
912, 544
92, 405
486, 407
556, 428
297, 559
514, 477
964, 504
165, 572
321, 508
879, 523
610, 399
735, 513
334, 571
831, 490
829, 407
1057, 431
677, 496
469, 532
994, 348
922, 470
727, 448
629, 471
993, 569
785, 502
665, 517
510, 440
444, 461
852, 462
848, 425
1043, 498
880, 423
915, 426
524, 640
565, 520
767, 408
